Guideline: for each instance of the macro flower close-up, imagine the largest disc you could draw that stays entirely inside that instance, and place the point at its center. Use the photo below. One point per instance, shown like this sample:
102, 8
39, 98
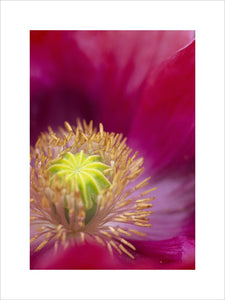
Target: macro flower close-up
112, 161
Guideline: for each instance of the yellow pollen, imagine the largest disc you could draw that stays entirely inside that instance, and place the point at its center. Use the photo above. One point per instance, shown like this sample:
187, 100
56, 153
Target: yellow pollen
145, 199
110, 249
149, 191
123, 231
113, 231
106, 233
115, 246
41, 245
142, 206
137, 232
99, 240
127, 244
143, 183
68, 127
33, 238
125, 251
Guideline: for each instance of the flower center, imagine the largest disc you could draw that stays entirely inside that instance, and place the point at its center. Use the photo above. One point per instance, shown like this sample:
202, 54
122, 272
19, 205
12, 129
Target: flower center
87, 172
84, 187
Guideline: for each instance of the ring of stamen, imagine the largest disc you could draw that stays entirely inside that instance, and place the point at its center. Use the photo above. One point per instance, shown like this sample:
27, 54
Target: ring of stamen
83, 188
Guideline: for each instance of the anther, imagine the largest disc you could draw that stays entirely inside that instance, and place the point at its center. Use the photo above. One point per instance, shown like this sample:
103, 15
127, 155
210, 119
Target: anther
68, 127
41, 245
149, 191
137, 232
127, 244
125, 251
123, 231
113, 231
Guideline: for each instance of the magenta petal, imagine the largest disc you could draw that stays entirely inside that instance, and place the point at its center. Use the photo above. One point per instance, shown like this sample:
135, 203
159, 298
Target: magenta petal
164, 132
176, 253
93, 74
174, 208
123, 59
120, 77
60, 79
86, 256
164, 125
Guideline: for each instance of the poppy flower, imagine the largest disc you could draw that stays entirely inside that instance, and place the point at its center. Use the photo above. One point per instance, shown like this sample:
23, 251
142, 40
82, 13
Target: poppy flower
137, 83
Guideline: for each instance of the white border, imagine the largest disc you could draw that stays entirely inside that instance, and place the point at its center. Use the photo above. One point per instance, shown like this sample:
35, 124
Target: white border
207, 18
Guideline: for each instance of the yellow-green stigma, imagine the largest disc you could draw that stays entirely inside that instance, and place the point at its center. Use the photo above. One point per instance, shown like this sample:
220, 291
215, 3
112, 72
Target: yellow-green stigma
88, 172
85, 187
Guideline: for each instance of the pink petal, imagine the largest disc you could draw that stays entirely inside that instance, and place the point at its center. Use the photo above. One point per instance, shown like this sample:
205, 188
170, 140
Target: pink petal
174, 208
93, 74
61, 75
125, 63
164, 125
164, 131
177, 253
86, 256
102, 76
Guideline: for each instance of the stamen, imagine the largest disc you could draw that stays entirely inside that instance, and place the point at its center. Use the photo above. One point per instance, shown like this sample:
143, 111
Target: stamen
142, 225
41, 228
110, 249
83, 188
143, 183
127, 244
106, 233
123, 231
41, 245
143, 206
101, 129
125, 251
82, 237
115, 246
137, 232
99, 240
125, 203
145, 199
149, 191
33, 238
113, 231
68, 127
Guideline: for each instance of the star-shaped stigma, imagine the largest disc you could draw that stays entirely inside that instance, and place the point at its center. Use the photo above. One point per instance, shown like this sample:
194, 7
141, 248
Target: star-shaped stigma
82, 171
